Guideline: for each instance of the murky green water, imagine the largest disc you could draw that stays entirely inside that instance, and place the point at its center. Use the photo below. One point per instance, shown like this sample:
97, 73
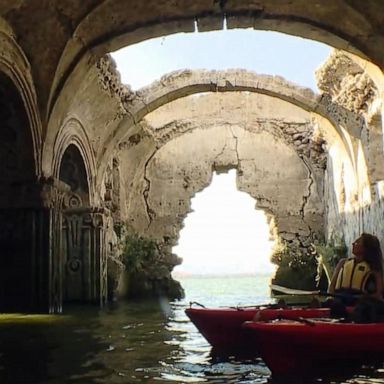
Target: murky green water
136, 343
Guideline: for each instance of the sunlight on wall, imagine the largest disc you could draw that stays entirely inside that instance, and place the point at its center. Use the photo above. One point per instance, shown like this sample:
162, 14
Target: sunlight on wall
224, 234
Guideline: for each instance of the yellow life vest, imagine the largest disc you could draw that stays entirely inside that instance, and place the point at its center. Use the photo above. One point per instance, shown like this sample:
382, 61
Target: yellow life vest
353, 275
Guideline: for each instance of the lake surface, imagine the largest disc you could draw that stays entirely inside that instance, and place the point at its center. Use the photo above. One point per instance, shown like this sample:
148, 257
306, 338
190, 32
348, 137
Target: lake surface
143, 342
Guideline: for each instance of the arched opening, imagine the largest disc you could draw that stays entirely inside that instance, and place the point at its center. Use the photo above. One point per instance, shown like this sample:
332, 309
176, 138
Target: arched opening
225, 235
293, 213
73, 173
76, 264
17, 168
107, 28
281, 55
259, 51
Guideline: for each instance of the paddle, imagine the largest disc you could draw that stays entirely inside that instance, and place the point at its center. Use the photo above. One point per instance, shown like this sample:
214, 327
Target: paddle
290, 291
298, 292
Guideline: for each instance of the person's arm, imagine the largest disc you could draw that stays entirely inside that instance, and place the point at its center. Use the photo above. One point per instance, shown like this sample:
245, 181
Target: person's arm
331, 288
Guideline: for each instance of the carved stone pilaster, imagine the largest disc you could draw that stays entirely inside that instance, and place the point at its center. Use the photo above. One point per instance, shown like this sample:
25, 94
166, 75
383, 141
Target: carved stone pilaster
53, 193
84, 252
30, 243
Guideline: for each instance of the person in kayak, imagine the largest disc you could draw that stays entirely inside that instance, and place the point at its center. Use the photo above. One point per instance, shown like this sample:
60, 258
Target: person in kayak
361, 274
358, 281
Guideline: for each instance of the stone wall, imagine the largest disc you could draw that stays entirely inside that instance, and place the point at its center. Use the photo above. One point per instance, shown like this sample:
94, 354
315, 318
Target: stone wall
67, 93
272, 144
137, 140
84, 31
355, 173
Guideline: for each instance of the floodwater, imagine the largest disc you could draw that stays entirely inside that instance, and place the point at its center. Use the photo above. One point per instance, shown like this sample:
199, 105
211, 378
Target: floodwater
139, 342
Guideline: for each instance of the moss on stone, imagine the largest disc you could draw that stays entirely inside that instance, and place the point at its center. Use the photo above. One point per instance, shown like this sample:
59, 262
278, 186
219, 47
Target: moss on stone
146, 273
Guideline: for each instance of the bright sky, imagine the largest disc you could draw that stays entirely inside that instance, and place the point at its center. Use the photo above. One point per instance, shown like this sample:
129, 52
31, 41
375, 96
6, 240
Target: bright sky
225, 234
264, 52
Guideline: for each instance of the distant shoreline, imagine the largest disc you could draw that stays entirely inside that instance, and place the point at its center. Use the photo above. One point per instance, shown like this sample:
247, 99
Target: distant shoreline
217, 275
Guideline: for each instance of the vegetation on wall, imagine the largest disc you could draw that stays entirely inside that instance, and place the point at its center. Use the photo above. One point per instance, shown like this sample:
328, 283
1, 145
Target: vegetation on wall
146, 273
296, 268
327, 257
309, 270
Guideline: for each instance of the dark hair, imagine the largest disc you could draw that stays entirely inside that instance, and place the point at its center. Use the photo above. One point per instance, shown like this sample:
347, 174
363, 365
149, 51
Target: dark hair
372, 251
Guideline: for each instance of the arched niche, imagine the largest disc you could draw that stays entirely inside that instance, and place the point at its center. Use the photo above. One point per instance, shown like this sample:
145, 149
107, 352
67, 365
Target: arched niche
17, 170
72, 172
82, 252
74, 257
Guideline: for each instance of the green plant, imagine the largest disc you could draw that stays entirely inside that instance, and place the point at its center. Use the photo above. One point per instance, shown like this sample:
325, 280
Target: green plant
296, 266
147, 273
139, 253
327, 257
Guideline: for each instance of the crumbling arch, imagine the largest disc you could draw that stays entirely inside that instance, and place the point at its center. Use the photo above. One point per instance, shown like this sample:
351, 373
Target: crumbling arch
184, 83
258, 112
160, 192
344, 26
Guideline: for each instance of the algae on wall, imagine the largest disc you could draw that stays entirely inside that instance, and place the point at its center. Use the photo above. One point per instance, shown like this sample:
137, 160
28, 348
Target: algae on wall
146, 274
296, 269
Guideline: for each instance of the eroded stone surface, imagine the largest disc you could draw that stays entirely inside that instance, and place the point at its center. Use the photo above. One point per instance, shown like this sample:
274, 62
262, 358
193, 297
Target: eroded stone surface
67, 93
355, 171
278, 156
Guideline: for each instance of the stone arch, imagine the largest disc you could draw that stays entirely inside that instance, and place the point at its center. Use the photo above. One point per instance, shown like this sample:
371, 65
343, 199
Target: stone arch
14, 64
252, 111
18, 199
345, 26
184, 83
82, 262
354, 87
160, 191
72, 134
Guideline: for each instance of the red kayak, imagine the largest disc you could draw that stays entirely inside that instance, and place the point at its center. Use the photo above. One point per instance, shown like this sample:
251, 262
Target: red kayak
307, 345
222, 327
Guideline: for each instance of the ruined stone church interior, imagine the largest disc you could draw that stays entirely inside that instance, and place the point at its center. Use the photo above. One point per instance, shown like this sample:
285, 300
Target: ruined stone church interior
83, 155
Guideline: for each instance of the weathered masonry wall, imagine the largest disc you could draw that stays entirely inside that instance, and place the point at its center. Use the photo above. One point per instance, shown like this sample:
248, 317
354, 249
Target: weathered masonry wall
355, 184
86, 31
278, 156
334, 126
58, 91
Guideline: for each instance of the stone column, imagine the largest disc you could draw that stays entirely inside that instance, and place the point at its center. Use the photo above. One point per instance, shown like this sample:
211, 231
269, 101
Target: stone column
53, 194
30, 242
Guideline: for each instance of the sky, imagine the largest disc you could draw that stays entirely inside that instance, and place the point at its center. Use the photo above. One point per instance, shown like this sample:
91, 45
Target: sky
224, 234
264, 52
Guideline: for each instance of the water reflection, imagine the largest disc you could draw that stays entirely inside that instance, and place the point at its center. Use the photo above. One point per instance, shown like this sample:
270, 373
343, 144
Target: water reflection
33, 349
128, 343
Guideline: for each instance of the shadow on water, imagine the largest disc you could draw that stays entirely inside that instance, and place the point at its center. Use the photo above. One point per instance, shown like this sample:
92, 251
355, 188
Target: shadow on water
119, 344
136, 342
39, 348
